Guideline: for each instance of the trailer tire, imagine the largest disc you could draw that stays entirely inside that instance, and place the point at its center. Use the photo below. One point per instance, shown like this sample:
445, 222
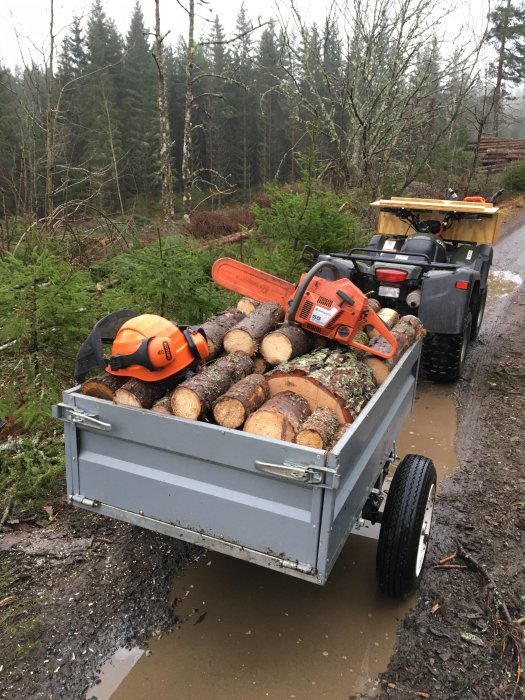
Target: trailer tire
444, 355
405, 527
478, 311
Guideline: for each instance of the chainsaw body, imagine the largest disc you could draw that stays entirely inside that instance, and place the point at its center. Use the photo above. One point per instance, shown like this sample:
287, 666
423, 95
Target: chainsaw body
335, 309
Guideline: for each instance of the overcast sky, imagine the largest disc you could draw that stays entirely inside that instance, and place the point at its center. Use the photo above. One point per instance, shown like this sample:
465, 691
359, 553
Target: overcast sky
24, 24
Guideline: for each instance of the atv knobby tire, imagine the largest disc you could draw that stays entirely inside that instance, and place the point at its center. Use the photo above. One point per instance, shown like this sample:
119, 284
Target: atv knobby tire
405, 527
443, 356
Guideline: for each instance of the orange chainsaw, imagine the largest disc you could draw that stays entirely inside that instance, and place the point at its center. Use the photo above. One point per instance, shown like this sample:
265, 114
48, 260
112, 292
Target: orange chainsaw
335, 309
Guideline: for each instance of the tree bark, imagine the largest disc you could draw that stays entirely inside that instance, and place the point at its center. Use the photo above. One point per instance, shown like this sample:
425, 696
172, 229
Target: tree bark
260, 366
247, 334
279, 418
216, 327
140, 394
194, 397
406, 331
103, 386
243, 398
332, 378
318, 429
285, 343
341, 430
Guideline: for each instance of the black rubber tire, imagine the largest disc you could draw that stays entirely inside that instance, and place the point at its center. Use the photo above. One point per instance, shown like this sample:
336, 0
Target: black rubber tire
397, 567
478, 310
443, 356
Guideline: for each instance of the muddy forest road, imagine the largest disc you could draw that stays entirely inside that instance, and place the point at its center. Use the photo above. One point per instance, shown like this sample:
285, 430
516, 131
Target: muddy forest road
246, 632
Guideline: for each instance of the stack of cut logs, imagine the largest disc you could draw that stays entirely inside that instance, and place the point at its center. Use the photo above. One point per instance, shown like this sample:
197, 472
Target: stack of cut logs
495, 154
269, 378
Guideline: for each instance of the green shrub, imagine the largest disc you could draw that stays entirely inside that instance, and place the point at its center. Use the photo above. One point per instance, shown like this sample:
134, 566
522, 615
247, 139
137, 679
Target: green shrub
171, 278
45, 308
513, 177
303, 216
32, 470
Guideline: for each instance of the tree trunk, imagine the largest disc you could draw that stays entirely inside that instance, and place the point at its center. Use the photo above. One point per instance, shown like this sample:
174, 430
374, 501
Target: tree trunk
216, 327
247, 305
243, 398
50, 123
188, 109
332, 378
406, 331
247, 334
194, 397
103, 386
285, 343
279, 418
140, 394
318, 429
166, 173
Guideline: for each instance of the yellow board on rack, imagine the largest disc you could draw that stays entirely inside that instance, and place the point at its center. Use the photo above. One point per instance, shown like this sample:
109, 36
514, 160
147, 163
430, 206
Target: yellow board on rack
486, 229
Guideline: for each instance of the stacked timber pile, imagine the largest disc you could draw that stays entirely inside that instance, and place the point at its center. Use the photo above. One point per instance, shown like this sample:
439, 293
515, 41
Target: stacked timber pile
495, 154
269, 378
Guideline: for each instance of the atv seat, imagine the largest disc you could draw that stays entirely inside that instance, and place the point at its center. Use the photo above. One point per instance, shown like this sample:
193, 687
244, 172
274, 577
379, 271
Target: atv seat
424, 246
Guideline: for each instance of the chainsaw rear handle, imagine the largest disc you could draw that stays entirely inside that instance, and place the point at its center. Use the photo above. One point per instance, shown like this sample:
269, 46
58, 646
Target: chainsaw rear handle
302, 286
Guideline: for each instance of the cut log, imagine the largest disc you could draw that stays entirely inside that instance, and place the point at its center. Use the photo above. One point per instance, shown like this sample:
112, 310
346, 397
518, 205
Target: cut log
194, 397
332, 378
247, 305
163, 406
406, 331
103, 386
140, 394
285, 343
341, 430
389, 317
260, 366
247, 334
216, 327
318, 429
279, 418
243, 398
374, 305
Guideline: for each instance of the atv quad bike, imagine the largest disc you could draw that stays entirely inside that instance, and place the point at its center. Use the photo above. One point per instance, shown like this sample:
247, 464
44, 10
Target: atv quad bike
431, 258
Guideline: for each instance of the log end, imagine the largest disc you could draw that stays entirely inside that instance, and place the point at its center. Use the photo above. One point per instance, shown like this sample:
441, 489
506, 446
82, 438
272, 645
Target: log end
185, 403
125, 398
229, 412
309, 438
237, 339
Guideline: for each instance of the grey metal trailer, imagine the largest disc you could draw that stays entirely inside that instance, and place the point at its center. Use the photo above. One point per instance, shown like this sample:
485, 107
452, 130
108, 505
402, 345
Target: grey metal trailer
273, 503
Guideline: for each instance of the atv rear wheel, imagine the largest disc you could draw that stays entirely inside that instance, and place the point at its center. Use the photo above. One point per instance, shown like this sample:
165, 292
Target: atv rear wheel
443, 356
478, 309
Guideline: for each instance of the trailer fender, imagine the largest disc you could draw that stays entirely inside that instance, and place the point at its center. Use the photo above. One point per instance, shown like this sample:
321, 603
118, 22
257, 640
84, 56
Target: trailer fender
445, 300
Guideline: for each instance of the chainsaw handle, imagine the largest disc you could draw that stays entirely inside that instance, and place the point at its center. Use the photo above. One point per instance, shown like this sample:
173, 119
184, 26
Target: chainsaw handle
302, 286
374, 320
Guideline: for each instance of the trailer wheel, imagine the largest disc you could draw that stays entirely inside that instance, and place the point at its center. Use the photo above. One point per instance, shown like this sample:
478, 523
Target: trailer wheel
444, 355
405, 527
478, 310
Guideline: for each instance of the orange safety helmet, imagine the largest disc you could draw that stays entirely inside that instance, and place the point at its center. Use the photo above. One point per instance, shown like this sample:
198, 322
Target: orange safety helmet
151, 348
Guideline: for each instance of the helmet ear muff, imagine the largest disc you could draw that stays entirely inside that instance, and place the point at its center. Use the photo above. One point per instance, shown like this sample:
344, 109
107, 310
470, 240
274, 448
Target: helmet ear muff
191, 344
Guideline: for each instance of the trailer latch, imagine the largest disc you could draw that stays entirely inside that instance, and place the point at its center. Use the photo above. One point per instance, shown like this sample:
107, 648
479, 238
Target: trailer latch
297, 472
72, 414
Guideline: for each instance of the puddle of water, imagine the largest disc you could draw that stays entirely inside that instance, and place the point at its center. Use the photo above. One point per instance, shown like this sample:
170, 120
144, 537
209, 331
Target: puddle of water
254, 633
431, 429
113, 672
248, 632
501, 283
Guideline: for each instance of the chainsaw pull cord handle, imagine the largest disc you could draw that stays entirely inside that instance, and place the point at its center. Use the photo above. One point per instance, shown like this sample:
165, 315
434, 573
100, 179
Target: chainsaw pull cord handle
302, 286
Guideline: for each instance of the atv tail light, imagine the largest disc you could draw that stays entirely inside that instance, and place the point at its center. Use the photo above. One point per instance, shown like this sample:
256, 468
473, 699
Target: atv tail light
461, 285
387, 274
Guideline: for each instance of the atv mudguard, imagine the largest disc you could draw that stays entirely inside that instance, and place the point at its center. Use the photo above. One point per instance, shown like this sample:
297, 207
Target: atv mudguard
443, 304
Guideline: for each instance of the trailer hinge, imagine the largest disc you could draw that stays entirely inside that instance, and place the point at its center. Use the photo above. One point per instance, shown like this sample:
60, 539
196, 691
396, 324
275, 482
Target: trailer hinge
72, 414
313, 475
84, 501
